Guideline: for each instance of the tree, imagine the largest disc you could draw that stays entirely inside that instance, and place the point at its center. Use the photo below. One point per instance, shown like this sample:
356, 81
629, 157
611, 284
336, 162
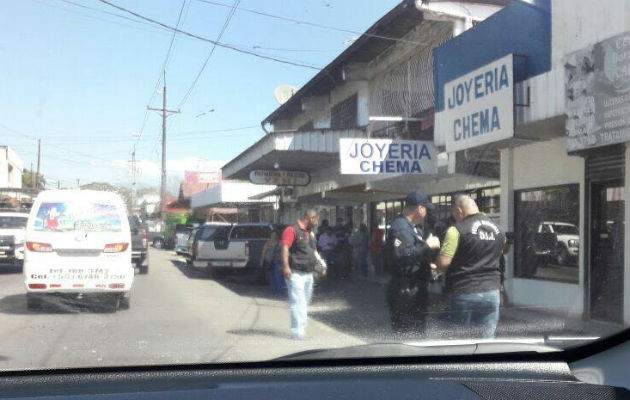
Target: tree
27, 179
124, 192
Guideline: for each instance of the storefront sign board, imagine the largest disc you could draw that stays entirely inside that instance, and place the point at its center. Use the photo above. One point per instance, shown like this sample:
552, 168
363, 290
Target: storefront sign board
597, 93
279, 178
478, 107
387, 156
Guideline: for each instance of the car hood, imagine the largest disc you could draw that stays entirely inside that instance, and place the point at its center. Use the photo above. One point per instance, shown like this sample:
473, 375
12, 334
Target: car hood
567, 237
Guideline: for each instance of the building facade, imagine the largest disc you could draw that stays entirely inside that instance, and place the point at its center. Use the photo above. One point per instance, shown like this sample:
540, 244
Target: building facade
525, 104
11, 167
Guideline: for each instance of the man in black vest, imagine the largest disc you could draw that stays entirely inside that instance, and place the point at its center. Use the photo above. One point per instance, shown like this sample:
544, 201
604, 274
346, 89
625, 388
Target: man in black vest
471, 256
299, 260
410, 255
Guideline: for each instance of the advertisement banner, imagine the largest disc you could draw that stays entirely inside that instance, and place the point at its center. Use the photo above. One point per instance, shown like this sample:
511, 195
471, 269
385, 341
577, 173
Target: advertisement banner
387, 156
478, 107
212, 177
597, 93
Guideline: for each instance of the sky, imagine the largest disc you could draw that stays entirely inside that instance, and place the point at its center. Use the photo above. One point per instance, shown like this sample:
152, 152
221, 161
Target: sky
80, 79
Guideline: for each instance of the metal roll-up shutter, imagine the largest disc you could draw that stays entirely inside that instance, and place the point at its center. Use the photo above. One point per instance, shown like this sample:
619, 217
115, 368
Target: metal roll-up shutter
606, 163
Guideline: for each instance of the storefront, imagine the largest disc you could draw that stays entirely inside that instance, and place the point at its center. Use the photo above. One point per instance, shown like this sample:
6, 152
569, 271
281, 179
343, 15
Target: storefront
563, 160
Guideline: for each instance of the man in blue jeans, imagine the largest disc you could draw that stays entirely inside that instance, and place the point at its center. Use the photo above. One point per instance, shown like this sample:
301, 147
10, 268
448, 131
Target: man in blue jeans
298, 263
471, 256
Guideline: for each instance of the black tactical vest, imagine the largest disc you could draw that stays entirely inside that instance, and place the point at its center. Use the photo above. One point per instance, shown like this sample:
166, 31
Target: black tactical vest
476, 265
302, 251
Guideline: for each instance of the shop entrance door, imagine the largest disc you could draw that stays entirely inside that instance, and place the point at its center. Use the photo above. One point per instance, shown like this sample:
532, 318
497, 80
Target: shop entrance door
607, 250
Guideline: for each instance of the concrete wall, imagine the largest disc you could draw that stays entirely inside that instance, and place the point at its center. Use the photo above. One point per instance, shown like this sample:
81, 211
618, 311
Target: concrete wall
11, 167
317, 109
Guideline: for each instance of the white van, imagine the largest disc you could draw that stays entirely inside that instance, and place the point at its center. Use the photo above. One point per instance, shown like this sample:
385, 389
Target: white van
78, 244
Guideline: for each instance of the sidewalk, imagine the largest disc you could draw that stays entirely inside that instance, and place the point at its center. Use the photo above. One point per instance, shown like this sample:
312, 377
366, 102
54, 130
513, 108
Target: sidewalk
358, 307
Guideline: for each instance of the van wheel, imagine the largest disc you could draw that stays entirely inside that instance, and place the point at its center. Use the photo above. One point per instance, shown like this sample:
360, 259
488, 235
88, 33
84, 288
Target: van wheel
125, 302
158, 243
33, 303
110, 303
144, 269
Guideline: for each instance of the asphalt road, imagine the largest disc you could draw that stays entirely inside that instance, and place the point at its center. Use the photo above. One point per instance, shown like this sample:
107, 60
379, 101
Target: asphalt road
177, 315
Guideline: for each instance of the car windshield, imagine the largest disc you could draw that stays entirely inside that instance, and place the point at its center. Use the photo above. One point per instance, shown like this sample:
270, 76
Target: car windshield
566, 229
228, 181
12, 222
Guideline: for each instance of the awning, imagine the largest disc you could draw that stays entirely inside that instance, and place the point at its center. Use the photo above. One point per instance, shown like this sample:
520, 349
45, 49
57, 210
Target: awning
230, 194
272, 194
306, 151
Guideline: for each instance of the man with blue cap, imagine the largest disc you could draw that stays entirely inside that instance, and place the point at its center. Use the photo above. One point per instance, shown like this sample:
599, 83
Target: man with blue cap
410, 256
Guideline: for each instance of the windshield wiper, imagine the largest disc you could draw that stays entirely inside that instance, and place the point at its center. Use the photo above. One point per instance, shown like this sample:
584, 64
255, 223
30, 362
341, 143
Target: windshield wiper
426, 348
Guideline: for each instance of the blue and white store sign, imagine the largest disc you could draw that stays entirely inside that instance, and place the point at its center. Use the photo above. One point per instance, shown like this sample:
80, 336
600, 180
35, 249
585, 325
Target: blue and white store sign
387, 156
478, 107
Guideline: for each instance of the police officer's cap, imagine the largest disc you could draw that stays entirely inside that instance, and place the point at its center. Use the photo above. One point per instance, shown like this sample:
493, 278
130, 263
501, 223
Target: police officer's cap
419, 198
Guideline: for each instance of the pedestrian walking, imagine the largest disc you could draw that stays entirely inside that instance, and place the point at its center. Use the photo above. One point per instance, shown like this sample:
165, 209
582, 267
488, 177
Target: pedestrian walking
323, 227
299, 261
410, 257
376, 250
343, 250
359, 242
471, 259
267, 262
327, 243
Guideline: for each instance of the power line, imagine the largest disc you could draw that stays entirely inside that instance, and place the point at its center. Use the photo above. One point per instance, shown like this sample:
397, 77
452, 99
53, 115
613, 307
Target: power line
163, 69
224, 45
214, 46
109, 13
308, 23
152, 30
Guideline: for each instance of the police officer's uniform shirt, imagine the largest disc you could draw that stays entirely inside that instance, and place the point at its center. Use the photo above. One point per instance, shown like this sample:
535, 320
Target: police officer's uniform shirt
476, 247
410, 254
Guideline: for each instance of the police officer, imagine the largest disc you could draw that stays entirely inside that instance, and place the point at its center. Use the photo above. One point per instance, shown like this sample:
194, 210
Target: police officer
410, 256
471, 256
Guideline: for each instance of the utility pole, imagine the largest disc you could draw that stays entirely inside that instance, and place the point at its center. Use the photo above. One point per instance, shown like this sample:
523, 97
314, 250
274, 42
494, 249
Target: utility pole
39, 160
165, 114
32, 178
133, 178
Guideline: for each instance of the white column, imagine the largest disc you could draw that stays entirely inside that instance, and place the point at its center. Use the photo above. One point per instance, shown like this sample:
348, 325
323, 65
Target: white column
507, 209
626, 250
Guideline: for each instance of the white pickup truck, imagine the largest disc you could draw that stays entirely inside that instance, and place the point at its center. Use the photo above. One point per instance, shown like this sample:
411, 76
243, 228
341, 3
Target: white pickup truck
560, 241
219, 245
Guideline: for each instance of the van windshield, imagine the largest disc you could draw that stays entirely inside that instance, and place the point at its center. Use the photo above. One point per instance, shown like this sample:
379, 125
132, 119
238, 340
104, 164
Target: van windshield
77, 216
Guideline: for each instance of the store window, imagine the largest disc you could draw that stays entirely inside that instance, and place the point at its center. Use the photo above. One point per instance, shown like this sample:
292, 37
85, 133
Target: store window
547, 237
487, 199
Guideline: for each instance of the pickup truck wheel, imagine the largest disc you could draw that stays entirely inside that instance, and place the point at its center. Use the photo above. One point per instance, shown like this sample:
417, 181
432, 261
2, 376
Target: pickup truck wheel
158, 243
562, 258
144, 269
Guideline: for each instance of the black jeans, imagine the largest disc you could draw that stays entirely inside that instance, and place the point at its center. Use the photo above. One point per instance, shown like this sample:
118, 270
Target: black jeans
408, 306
